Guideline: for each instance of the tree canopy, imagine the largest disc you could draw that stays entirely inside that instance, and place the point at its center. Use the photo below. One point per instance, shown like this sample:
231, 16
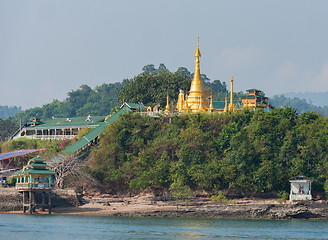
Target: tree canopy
248, 152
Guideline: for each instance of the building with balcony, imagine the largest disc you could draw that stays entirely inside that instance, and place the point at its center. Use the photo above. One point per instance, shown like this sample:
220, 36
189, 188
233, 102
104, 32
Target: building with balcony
35, 178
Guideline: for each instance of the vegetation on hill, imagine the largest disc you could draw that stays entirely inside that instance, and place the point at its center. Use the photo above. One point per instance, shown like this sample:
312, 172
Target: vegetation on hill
301, 105
6, 112
7, 129
247, 151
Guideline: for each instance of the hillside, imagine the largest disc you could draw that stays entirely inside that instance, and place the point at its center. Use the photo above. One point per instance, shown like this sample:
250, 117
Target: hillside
246, 152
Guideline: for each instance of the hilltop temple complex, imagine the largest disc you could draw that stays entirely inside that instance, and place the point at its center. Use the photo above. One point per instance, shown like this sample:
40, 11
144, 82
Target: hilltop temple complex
199, 100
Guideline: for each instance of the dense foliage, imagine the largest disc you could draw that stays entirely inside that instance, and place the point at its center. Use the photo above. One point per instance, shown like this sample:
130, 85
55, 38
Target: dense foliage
246, 151
152, 86
6, 112
301, 105
7, 129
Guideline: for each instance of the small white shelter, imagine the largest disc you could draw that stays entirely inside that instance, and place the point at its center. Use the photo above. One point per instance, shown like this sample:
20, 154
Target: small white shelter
300, 189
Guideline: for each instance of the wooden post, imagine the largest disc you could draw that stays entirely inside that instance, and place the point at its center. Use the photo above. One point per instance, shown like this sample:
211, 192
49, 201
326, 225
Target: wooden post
49, 202
24, 201
43, 201
33, 201
30, 210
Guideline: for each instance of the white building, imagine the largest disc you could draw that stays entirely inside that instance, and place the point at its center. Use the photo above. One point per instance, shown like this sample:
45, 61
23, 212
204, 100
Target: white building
300, 189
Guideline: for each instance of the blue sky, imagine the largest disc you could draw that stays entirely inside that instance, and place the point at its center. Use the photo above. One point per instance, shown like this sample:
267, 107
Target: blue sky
48, 48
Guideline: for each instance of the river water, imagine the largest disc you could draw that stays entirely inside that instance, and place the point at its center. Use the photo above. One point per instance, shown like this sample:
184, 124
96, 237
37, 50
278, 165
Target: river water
27, 227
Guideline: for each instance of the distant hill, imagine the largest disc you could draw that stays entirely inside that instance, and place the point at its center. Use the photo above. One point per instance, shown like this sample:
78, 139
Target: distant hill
6, 112
301, 105
315, 98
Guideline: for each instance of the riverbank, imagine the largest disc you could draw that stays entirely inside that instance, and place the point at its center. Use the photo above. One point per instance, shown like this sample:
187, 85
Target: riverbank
147, 205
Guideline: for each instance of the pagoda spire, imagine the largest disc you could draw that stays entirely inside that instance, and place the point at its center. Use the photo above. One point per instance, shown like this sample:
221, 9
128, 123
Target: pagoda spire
196, 92
167, 108
231, 105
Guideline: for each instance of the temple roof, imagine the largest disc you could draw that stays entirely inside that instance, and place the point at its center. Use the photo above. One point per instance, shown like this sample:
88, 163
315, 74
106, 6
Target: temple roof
253, 89
35, 165
253, 96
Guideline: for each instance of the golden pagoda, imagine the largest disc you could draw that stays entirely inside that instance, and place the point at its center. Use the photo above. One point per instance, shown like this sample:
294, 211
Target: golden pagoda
197, 100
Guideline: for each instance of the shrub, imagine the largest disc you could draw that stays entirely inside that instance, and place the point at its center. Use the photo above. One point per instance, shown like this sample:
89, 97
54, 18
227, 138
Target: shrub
219, 198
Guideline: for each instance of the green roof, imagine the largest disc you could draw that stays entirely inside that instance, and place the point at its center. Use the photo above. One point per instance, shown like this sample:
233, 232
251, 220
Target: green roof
68, 122
253, 96
32, 167
254, 89
134, 105
37, 159
218, 104
34, 164
90, 136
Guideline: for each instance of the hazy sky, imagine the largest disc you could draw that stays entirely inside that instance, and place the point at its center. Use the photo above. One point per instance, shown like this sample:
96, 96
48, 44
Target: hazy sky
48, 48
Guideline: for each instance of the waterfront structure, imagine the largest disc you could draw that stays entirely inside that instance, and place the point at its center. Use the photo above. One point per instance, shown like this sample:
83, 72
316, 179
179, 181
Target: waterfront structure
33, 179
300, 189
57, 128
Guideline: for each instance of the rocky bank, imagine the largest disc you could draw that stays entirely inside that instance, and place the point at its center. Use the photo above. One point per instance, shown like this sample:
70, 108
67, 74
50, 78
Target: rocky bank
148, 205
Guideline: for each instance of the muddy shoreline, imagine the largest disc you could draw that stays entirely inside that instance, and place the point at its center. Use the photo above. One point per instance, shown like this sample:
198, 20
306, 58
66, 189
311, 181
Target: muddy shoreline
66, 202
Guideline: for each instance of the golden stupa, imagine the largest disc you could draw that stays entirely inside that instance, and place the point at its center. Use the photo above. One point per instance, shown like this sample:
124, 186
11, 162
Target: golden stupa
197, 100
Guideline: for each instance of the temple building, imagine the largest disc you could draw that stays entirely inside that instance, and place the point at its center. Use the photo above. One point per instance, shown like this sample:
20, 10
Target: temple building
256, 99
35, 179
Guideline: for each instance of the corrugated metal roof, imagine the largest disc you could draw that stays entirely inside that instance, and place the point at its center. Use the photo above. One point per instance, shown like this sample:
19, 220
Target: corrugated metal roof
134, 105
33, 171
17, 153
94, 133
59, 123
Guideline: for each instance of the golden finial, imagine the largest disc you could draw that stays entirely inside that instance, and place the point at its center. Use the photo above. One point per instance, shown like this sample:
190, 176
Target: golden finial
197, 53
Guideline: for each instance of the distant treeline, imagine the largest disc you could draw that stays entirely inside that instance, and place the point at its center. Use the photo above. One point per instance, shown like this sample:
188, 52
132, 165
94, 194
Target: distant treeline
247, 152
6, 112
301, 105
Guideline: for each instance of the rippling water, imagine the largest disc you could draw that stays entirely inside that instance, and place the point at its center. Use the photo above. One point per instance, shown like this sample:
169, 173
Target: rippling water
86, 227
